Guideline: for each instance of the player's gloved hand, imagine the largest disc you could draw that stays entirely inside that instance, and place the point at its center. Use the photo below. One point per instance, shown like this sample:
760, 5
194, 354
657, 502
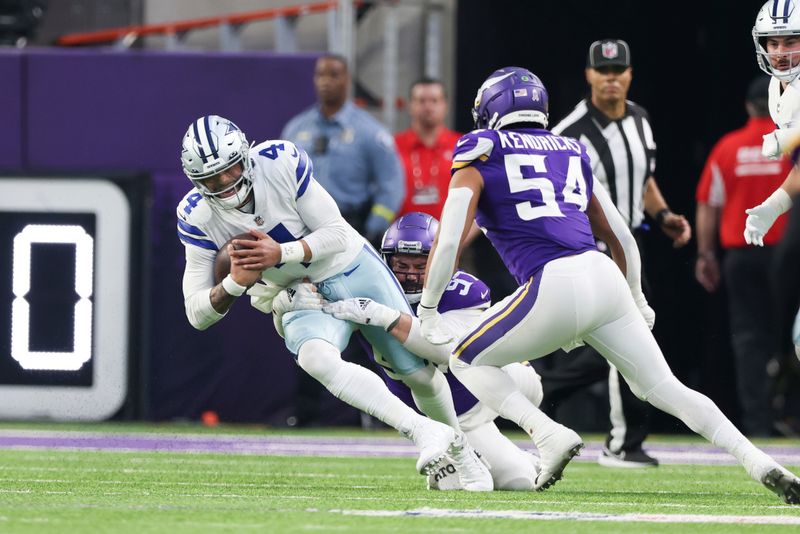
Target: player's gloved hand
302, 296
647, 312
261, 295
430, 322
365, 311
761, 218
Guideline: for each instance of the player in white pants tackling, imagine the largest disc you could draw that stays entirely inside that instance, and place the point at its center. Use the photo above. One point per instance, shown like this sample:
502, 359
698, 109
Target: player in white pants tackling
534, 195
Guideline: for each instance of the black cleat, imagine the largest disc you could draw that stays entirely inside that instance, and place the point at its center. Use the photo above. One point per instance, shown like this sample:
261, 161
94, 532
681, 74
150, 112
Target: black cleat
783, 484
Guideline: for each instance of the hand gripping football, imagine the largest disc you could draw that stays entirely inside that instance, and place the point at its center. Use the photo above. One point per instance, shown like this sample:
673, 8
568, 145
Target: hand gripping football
222, 263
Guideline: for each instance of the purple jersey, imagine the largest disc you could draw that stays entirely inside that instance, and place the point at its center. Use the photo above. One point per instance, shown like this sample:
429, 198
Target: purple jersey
463, 292
537, 187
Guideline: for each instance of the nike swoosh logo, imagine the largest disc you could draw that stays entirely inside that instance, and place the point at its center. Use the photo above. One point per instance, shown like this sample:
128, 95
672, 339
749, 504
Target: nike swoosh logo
461, 141
348, 273
484, 294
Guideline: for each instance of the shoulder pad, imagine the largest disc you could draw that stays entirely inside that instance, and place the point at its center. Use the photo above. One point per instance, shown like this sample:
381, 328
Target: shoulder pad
476, 145
194, 209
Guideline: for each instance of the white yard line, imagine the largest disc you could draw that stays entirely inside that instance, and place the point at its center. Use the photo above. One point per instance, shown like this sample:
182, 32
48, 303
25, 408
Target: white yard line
580, 516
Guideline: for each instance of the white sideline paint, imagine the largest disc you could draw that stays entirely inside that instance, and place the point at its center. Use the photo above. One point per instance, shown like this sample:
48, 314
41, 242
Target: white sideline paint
581, 516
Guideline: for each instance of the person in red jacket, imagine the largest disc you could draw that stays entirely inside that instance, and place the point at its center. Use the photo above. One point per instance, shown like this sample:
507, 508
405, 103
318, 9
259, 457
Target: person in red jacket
737, 176
426, 149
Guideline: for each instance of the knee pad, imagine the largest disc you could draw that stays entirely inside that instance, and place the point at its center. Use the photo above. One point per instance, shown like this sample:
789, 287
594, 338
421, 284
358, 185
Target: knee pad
320, 359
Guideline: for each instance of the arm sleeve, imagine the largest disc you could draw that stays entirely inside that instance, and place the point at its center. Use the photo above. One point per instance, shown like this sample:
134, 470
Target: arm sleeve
456, 322
329, 231
198, 280
441, 269
624, 235
387, 172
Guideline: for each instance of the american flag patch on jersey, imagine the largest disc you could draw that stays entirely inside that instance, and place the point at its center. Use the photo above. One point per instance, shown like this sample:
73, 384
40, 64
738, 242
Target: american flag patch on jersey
520, 92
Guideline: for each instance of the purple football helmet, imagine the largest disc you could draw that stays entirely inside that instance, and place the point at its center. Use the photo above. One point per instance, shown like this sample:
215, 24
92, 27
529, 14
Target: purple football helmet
412, 233
510, 95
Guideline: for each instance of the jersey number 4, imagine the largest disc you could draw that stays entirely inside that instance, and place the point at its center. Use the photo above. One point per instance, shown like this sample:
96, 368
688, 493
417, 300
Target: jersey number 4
574, 191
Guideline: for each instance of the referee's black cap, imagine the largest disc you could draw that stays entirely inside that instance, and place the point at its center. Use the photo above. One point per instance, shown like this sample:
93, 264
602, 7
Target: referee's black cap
608, 52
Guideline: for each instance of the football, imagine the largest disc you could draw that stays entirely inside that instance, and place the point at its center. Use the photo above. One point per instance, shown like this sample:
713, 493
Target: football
222, 263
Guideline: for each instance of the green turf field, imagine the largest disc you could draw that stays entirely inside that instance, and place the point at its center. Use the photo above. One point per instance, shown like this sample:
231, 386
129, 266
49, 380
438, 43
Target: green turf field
52, 490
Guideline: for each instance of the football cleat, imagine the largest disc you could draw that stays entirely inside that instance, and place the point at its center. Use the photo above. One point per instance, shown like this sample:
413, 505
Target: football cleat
472, 472
433, 439
630, 459
555, 452
444, 476
784, 484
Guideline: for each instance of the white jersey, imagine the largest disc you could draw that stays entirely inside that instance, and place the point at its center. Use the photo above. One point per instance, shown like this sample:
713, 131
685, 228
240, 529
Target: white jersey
288, 205
784, 108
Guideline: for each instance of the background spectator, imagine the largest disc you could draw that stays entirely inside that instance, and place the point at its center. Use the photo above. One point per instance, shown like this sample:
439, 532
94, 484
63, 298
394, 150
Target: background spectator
354, 155
426, 148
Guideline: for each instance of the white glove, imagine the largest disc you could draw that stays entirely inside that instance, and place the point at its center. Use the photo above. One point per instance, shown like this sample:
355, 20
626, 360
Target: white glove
365, 311
761, 218
302, 296
262, 294
430, 322
647, 312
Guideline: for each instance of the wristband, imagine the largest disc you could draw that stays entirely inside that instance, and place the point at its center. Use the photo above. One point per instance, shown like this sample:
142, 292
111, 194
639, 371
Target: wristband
292, 252
779, 200
232, 288
661, 215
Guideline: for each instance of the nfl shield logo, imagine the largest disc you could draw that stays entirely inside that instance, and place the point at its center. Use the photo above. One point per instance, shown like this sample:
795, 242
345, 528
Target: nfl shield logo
610, 50
259, 220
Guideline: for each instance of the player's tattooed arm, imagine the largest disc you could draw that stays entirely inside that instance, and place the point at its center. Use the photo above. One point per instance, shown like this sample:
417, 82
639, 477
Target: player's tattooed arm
221, 300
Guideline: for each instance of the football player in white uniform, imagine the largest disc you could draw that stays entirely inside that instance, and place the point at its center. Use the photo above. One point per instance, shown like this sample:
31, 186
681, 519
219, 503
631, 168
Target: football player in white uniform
269, 190
776, 35
405, 247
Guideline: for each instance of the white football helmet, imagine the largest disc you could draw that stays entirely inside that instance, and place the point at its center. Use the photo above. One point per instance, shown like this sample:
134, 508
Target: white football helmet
777, 18
211, 145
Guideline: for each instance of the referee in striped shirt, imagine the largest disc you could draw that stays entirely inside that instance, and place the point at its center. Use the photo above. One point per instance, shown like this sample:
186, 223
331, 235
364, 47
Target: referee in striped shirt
620, 143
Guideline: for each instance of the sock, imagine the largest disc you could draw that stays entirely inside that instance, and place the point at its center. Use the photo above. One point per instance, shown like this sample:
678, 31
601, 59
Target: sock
355, 385
526, 379
433, 396
495, 388
705, 418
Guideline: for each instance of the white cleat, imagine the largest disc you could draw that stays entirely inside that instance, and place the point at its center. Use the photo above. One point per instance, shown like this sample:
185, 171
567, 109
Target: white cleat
444, 476
433, 440
784, 484
472, 472
555, 452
